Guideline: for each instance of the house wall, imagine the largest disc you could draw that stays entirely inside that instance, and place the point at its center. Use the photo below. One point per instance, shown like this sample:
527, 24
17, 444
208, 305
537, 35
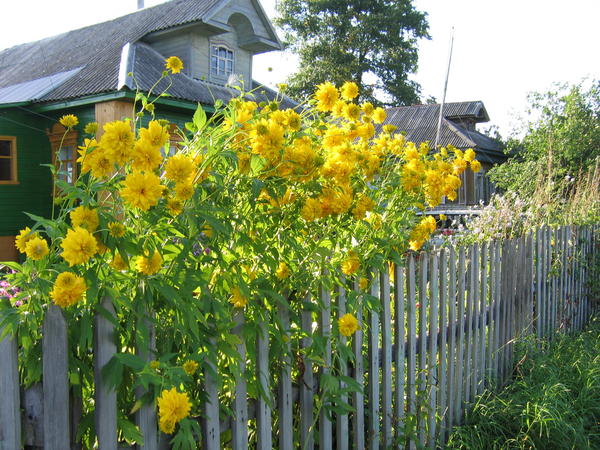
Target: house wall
33, 191
246, 8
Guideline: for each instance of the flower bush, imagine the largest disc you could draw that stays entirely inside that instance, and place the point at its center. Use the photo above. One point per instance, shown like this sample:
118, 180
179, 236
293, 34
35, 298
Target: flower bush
246, 214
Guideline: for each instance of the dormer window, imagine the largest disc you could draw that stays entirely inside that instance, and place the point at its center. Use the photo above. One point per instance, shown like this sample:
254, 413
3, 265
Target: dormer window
221, 61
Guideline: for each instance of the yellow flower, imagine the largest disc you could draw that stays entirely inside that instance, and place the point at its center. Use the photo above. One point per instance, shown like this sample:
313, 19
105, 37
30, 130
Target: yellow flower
175, 206
184, 191
68, 120
351, 264
469, 154
91, 128
117, 141
207, 230
348, 325
156, 134
173, 407
174, 64
379, 115
190, 367
363, 283
475, 166
149, 265
146, 157
237, 299
443, 217
179, 168
36, 248
349, 90
142, 190
327, 95
118, 263
311, 209
154, 364
283, 271
368, 108
116, 229
68, 289
79, 246
85, 217
352, 111
25, 235
389, 128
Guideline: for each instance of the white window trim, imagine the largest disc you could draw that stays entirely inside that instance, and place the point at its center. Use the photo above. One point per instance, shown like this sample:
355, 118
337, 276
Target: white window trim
227, 46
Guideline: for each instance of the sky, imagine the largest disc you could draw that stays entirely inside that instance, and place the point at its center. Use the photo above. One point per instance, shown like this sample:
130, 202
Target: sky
503, 49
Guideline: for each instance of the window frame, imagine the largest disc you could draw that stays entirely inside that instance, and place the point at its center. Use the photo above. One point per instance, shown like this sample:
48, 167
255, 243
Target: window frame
14, 174
218, 45
58, 139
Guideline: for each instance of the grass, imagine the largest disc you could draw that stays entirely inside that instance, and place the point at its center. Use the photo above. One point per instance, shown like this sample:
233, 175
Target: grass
553, 402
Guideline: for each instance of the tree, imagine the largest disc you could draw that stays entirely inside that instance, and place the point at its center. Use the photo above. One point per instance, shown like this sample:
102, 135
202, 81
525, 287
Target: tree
370, 42
561, 143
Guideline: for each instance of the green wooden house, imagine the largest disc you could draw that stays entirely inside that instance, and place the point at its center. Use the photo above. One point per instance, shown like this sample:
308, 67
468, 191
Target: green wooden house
94, 72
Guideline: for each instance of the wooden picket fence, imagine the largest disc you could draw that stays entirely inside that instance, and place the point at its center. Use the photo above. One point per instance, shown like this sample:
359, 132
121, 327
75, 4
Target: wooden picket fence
445, 331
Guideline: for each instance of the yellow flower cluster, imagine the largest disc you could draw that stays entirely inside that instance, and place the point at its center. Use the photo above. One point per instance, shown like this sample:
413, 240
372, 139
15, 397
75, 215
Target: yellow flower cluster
237, 299
149, 265
348, 325
190, 367
85, 217
283, 271
173, 407
79, 245
68, 289
36, 248
351, 263
68, 120
421, 233
24, 236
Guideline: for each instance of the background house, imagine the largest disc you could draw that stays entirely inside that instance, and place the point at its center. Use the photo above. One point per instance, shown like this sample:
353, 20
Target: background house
94, 72
458, 128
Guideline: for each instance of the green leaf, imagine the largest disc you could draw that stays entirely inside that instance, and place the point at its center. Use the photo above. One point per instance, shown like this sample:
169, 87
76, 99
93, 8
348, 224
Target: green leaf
131, 432
199, 118
131, 360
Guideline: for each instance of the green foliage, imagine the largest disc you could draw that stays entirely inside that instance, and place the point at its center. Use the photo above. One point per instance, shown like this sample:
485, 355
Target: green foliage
553, 403
562, 142
370, 42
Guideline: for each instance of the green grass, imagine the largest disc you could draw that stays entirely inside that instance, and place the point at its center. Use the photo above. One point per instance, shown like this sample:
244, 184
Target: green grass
553, 402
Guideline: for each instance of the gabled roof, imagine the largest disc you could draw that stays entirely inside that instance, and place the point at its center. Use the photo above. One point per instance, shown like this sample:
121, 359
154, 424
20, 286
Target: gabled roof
97, 54
419, 123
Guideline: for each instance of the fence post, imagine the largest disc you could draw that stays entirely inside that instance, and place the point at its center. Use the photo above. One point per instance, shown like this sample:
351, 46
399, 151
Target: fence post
373, 391
212, 429
411, 365
105, 397
10, 409
307, 385
400, 352
286, 429
55, 378
264, 422
342, 424
146, 415
386, 363
240, 402
358, 418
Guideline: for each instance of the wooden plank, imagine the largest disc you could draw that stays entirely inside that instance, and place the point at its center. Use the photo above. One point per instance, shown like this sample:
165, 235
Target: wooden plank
308, 384
285, 400
400, 351
476, 319
211, 423
483, 312
442, 374
342, 427
10, 407
422, 375
386, 363
373, 388
358, 418
240, 400
325, 426
469, 331
411, 367
452, 342
432, 360
491, 352
460, 399
264, 421
553, 289
146, 416
538, 288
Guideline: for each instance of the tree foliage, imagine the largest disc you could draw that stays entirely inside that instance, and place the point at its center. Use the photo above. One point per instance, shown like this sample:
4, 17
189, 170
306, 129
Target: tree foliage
370, 42
562, 143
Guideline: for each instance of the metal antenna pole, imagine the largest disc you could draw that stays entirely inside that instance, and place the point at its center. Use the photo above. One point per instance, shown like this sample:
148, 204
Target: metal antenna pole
437, 134
140, 4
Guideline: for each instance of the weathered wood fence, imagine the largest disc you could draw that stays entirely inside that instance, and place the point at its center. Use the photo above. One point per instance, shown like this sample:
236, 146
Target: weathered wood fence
445, 331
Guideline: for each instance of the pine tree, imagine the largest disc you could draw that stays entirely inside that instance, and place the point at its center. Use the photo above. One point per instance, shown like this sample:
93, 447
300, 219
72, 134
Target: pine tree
370, 42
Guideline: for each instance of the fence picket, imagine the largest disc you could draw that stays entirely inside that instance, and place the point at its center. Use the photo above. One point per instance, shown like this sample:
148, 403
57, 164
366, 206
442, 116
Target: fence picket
469, 331
264, 422
212, 428
443, 353
460, 399
10, 408
422, 375
452, 346
484, 316
146, 415
411, 368
285, 405
432, 363
399, 355
386, 362
308, 384
325, 426
240, 401
477, 327
373, 391
341, 423
358, 418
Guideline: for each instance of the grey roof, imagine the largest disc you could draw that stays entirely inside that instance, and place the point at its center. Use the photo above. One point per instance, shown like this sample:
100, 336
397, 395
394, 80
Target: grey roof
97, 52
419, 123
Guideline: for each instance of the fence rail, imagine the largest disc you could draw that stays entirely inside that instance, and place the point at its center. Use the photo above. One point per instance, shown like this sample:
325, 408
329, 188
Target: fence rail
444, 332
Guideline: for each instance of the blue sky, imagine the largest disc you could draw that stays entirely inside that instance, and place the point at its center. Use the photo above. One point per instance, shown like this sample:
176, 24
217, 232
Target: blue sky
502, 49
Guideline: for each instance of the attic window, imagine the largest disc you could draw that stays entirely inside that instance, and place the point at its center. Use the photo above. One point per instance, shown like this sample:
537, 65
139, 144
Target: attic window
221, 61
8, 160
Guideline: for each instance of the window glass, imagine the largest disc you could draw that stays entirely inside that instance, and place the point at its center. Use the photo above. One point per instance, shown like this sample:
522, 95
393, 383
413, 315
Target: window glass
8, 160
221, 62
5, 148
5, 169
